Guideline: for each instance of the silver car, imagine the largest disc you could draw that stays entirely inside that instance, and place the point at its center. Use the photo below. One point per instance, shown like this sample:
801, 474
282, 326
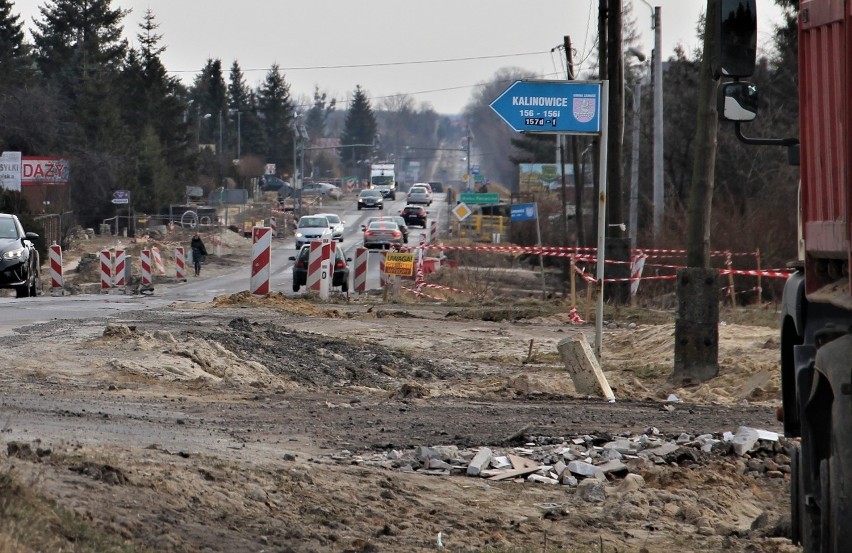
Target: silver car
310, 228
382, 234
337, 225
419, 195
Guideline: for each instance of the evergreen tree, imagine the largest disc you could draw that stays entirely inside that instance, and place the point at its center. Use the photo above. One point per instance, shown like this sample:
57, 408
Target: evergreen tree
360, 128
276, 111
15, 56
155, 112
319, 113
79, 51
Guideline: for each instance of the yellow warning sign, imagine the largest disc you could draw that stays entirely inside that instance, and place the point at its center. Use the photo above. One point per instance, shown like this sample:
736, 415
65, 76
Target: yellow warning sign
401, 264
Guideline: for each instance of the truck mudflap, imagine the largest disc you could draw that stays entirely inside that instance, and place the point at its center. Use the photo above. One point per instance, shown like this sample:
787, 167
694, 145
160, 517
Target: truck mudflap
823, 476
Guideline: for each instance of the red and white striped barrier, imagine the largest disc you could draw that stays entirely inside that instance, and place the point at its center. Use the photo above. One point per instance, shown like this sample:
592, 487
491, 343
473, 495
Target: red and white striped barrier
636, 272
57, 283
119, 266
273, 224
419, 277
433, 231
145, 269
420, 294
106, 270
574, 317
362, 259
158, 261
261, 257
318, 273
180, 263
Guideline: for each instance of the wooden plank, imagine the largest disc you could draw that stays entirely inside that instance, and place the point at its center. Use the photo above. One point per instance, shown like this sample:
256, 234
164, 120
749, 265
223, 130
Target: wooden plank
515, 472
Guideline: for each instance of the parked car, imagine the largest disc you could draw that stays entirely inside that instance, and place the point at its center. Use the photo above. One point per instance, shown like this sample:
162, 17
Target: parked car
337, 225
382, 234
370, 198
340, 276
414, 215
419, 195
310, 228
400, 222
19, 260
321, 189
271, 183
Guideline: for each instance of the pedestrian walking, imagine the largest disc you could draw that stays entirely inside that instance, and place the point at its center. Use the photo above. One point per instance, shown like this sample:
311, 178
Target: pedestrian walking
199, 252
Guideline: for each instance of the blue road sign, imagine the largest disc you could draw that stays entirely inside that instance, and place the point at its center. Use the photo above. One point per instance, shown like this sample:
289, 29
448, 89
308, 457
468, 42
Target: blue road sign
523, 212
572, 107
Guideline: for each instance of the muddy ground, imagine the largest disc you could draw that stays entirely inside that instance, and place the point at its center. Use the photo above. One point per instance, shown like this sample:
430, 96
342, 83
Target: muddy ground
282, 424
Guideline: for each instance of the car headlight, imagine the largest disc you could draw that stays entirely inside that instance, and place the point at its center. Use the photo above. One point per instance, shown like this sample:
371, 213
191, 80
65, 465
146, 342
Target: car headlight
299, 235
17, 253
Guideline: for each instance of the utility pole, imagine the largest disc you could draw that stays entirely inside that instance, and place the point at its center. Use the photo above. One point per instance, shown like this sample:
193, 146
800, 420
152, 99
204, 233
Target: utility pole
579, 180
659, 186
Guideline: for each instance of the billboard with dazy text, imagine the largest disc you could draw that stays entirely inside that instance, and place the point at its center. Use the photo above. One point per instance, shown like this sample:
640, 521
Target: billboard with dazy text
37, 170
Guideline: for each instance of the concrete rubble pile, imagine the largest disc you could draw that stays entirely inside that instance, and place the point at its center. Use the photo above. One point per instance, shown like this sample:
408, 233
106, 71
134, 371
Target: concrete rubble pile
588, 462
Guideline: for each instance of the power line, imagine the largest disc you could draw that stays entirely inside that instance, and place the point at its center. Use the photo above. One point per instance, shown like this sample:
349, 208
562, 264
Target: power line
382, 64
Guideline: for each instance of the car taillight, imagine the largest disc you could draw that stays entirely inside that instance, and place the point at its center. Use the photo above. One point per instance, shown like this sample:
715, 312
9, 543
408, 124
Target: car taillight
300, 264
368, 233
340, 264
396, 234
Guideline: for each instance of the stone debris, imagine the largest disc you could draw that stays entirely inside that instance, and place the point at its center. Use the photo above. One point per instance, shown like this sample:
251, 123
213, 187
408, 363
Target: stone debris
592, 465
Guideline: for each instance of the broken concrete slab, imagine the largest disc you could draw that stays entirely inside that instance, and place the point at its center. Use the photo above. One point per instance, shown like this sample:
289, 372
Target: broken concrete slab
583, 367
480, 461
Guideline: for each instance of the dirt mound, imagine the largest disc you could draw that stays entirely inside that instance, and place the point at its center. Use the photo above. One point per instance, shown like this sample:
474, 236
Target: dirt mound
276, 300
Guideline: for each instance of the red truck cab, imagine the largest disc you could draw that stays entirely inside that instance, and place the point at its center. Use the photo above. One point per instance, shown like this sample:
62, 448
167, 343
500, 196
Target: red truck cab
816, 318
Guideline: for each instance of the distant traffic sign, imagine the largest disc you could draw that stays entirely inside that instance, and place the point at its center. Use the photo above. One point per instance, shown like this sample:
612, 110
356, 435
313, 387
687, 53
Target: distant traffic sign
524, 212
121, 197
461, 211
480, 198
571, 107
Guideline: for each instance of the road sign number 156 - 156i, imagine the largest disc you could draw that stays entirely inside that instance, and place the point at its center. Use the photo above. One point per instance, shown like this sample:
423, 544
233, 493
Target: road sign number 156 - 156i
539, 121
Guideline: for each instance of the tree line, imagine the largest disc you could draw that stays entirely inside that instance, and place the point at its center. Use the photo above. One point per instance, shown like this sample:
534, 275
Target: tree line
80, 91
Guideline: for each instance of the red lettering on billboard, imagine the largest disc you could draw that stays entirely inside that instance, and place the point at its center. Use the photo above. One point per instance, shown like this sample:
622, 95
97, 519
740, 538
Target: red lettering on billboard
44, 170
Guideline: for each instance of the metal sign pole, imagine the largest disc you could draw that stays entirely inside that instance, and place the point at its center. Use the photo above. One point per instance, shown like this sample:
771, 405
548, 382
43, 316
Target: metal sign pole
540, 256
601, 219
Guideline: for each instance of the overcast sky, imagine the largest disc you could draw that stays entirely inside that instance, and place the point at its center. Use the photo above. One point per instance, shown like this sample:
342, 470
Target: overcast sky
392, 46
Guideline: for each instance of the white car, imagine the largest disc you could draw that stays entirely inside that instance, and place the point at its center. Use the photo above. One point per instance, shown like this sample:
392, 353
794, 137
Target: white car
337, 225
310, 228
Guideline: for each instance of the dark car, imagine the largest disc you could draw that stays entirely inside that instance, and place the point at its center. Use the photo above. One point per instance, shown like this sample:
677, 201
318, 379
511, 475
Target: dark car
437, 187
271, 183
414, 215
19, 259
300, 269
370, 198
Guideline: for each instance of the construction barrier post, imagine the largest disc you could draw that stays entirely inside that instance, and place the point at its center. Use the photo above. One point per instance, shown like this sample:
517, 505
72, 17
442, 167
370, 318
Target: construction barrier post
261, 257
316, 264
57, 283
158, 261
180, 263
119, 277
106, 271
145, 269
362, 259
